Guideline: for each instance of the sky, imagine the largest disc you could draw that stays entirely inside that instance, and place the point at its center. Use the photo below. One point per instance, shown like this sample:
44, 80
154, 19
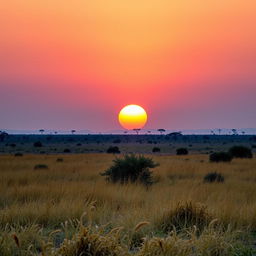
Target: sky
76, 64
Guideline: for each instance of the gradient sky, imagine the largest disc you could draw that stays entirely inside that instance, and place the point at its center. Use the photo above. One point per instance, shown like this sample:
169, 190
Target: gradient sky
75, 64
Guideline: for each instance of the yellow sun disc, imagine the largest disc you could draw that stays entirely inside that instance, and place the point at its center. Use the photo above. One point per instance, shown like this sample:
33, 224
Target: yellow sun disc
132, 117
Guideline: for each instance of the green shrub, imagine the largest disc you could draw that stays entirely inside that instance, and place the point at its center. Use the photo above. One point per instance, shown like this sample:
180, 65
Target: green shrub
131, 168
220, 157
184, 216
213, 177
181, 151
113, 150
240, 152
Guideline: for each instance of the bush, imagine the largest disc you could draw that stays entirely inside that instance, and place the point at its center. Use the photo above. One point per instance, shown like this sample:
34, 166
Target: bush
185, 216
240, 152
181, 151
156, 149
131, 168
213, 177
18, 154
66, 150
88, 243
220, 157
59, 160
38, 144
113, 150
40, 166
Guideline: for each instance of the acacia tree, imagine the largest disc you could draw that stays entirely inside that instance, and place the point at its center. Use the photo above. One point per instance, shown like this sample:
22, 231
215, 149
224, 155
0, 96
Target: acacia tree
234, 131
41, 131
161, 131
137, 130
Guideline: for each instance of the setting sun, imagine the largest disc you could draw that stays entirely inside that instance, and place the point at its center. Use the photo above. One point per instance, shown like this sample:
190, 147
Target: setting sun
132, 117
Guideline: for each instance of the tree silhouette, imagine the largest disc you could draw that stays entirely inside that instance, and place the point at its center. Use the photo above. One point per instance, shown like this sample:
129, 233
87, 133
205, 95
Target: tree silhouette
161, 131
41, 131
234, 131
137, 130
73, 131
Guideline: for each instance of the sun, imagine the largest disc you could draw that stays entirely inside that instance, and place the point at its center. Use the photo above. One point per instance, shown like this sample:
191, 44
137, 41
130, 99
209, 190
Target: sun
132, 117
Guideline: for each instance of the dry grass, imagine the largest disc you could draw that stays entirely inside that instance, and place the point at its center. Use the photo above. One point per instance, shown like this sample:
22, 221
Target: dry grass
42, 200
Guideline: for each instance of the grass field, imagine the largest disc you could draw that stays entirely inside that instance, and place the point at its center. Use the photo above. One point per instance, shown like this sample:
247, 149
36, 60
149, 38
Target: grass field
39, 208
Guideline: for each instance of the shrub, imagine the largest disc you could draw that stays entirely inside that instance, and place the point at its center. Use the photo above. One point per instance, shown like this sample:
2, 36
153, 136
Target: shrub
156, 149
66, 150
131, 168
59, 160
220, 157
240, 152
38, 144
181, 151
40, 166
18, 154
117, 141
184, 216
87, 242
213, 177
113, 150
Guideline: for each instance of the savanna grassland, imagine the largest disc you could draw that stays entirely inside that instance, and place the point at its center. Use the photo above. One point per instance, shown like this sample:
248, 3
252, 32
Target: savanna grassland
67, 208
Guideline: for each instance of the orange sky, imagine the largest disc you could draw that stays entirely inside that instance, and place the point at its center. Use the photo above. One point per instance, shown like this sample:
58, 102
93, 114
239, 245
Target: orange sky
80, 62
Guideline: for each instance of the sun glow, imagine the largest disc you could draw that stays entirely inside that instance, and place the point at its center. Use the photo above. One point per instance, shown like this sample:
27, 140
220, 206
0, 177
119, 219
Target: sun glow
132, 117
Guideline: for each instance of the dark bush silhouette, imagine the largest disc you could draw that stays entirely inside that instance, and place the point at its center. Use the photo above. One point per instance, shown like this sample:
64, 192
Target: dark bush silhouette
40, 166
156, 149
220, 157
181, 151
113, 150
59, 160
184, 216
38, 144
66, 150
240, 152
131, 168
213, 177
18, 154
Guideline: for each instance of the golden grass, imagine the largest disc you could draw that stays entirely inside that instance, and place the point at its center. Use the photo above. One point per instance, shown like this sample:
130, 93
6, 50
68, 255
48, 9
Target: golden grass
64, 191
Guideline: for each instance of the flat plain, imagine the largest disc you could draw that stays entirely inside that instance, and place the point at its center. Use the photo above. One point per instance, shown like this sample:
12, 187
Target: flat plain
67, 196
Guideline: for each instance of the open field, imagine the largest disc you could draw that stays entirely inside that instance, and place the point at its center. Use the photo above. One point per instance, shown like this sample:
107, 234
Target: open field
34, 203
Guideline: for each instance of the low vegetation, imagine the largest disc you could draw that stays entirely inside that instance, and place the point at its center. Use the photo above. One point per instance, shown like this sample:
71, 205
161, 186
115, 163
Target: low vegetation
181, 151
113, 150
156, 150
220, 157
240, 152
185, 216
131, 169
62, 210
213, 177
